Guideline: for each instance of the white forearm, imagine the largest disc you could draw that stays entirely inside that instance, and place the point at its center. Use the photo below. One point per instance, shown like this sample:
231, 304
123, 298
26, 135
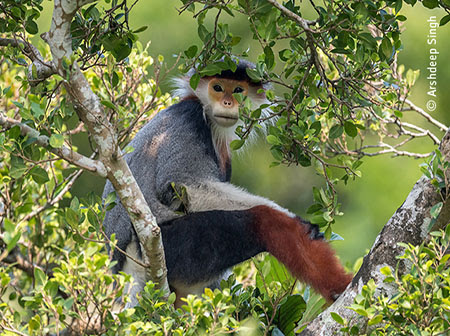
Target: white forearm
225, 196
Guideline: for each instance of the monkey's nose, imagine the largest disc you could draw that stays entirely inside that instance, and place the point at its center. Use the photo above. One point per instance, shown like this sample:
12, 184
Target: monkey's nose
227, 103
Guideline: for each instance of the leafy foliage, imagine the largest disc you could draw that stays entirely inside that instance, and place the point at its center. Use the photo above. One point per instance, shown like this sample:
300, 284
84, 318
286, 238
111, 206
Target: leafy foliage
55, 271
336, 77
20, 16
420, 304
337, 91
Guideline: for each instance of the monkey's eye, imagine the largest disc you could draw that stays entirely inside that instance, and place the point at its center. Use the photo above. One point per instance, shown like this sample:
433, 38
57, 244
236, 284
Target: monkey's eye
238, 89
217, 88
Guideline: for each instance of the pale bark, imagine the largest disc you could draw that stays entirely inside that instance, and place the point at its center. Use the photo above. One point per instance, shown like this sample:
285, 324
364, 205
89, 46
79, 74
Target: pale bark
89, 109
409, 224
66, 153
38, 69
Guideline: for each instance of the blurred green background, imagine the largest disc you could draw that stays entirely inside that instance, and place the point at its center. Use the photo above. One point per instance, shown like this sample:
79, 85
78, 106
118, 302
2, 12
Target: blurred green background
367, 202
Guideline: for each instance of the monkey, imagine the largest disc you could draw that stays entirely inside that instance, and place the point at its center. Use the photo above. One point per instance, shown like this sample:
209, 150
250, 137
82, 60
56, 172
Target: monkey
201, 246
186, 147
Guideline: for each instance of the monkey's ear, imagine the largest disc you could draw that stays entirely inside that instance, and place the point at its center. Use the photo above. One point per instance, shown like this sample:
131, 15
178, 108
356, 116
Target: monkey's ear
182, 87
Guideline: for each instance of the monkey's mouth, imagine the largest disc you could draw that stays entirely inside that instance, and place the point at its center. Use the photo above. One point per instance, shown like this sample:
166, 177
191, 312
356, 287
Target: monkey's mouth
226, 117
225, 120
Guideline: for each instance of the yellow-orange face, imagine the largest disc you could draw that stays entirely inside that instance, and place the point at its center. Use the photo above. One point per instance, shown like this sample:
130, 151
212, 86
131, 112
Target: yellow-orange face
225, 108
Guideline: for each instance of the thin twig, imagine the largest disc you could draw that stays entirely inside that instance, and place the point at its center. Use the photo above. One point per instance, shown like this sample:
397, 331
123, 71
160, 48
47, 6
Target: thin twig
303, 22
427, 116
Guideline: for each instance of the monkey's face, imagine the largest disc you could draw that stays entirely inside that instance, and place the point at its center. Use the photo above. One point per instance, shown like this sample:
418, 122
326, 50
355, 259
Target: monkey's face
224, 107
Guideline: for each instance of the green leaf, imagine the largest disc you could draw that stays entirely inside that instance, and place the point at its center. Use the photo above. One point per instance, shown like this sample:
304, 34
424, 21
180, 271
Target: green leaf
14, 132
398, 5
111, 197
39, 276
369, 39
115, 79
375, 320
269, 57
444, 20
235, 40
15, 11
430, 3
316, 126
350, 129
34, 323
202, 32
18, 168
236, 144
337, 318
277, 332
304, 160
447, 232
327, 216
341, 51
56, 140
273, 140
195, 79
37, 110
39, 175
52, 288
336, 131
31, 27
289, 313
108, 104
277, 153
327, 233
71, 217
253, 74
10, 227
68, 303
406, 304
92, 217
75, 204
436, 210
121, 52
139, 30
212, 69
191, 51
313, 91
386, 47
11, 243
314, 208
386, 270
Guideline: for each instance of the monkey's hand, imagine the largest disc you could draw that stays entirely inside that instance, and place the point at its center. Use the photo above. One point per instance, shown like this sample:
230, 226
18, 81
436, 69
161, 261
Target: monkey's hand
312, 229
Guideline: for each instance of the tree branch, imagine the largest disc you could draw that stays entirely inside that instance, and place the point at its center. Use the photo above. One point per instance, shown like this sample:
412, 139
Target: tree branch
38, 66
66, 153
428, 117
89, 109
303, 22
409, 224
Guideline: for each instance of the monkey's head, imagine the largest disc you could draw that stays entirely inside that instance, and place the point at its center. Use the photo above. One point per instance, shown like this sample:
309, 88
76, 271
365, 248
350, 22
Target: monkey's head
224, 108
216, 93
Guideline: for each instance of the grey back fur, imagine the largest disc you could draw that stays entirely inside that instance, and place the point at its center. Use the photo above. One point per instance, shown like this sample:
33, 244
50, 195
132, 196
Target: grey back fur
175, 146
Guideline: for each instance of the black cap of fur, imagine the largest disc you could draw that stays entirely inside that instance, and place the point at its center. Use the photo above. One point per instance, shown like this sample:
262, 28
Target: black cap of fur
240, 73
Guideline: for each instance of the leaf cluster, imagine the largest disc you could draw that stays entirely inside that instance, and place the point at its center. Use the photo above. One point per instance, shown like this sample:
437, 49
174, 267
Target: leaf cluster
420, 303
19, 16
339, 88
